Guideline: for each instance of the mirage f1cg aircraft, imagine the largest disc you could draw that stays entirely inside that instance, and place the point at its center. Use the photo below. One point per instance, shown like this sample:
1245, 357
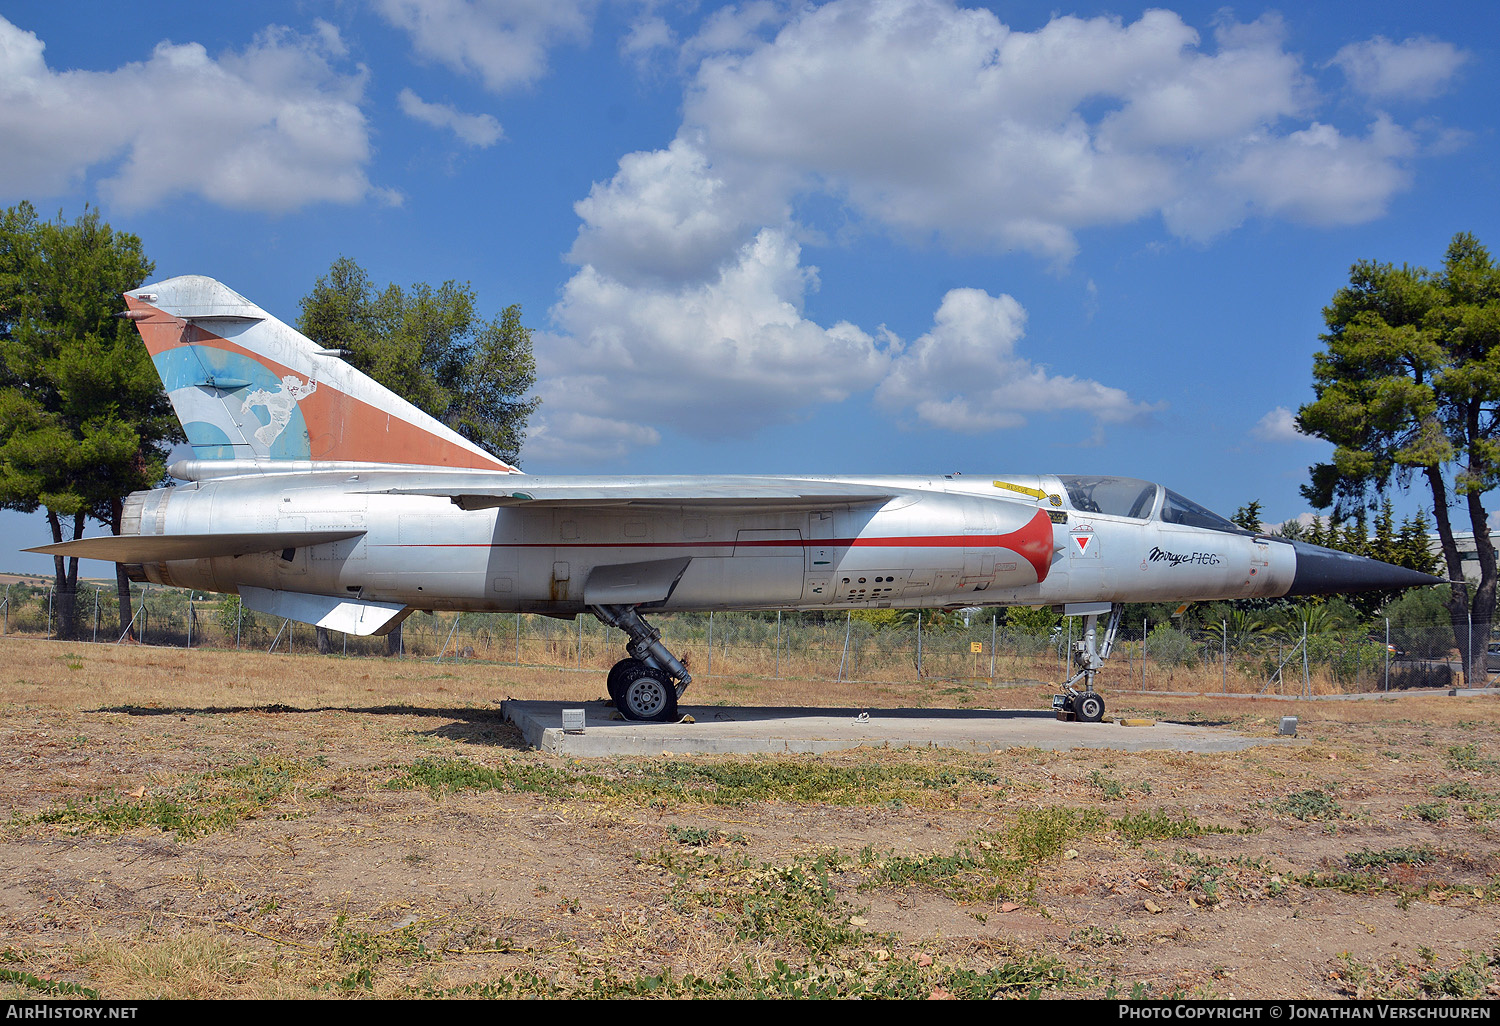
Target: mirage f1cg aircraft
318, 495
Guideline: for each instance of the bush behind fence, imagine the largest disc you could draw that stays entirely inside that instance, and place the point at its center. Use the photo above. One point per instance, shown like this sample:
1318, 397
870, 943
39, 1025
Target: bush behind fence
832, 645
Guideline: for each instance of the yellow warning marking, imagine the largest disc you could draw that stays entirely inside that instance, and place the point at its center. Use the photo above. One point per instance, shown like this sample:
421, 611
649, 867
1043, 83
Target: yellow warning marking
1137, 723
1035, 493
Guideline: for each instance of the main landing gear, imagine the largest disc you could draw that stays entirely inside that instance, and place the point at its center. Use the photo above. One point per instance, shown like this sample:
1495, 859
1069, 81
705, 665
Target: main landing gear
647, 685
1087, 706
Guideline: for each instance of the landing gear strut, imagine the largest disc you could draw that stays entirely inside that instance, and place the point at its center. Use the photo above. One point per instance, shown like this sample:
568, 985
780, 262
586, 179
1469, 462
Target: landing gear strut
1087, 706
647, 685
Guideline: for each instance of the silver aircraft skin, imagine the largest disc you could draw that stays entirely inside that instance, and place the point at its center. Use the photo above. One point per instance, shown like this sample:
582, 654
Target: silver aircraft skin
318, 495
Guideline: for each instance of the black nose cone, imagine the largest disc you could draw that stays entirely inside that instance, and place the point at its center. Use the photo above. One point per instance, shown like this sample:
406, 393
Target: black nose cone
1323, 571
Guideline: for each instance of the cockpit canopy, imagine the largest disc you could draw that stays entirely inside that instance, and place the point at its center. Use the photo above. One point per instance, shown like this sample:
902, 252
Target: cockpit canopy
1137, 499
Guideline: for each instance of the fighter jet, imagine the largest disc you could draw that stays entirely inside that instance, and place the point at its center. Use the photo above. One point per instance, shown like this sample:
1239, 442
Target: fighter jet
318, 495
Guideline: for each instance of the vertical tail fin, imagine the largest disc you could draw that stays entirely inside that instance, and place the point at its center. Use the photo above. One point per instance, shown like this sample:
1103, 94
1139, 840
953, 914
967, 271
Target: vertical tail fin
248, 387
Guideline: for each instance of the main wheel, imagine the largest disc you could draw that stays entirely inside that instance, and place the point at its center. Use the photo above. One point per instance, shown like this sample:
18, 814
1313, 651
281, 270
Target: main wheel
616, 679
646, 693
1089, 707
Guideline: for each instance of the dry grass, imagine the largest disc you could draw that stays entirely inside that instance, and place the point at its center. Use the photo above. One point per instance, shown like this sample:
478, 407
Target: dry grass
856, 869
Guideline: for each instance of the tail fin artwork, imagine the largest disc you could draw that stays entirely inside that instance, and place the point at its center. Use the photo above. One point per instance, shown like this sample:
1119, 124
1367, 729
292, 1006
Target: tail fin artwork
250, 388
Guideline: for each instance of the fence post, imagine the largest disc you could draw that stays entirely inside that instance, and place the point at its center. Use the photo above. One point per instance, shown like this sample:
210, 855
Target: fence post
96, 614
7, 609
1306, 675
1143, 653
848, 626
778, 644
710, 671
994, 625
239, 615
49, 617
1388, 653
1468, 652
1224, 658
919, 644
518, 639
190, 621
579, 664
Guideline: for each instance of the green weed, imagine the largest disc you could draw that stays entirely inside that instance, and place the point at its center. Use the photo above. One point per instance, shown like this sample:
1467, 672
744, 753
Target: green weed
1021, 975
1467, 758
1468, 979
1111, 787
1137, 827
1309, 805
1096, 937
995, 865
1419, 856
362, 952
1460, 789
1432, 812
680, 781
53, 988
703, 836
201, 805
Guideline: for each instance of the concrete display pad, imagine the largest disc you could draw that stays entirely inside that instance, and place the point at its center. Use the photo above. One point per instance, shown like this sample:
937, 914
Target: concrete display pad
750, 730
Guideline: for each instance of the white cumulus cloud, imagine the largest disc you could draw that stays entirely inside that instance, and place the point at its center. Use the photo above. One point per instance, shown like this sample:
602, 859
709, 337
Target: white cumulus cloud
720, 357
934, 122
1414, 69
671, 215
502, 42
273, 127
736, 353
479, 130
1279, 425
965, 374
936, 119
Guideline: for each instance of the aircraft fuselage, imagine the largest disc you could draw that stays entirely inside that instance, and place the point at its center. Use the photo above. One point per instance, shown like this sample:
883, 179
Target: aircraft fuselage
938, 541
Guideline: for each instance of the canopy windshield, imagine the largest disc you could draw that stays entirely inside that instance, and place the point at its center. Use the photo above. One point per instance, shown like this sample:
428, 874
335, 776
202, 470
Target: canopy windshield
1177, 510
1116, 496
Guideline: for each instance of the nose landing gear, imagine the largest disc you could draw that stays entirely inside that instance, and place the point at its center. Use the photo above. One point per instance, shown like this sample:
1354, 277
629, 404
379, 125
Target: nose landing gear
1087, 706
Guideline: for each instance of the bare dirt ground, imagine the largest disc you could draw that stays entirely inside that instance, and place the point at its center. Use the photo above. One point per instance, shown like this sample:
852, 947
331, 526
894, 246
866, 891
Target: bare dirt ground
217, 824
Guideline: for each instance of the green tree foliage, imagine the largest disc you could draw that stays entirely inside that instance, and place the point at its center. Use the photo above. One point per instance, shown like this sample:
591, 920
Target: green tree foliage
1420, 624
1037, 621
1248, 516
83, 419
1409, 387
429, 346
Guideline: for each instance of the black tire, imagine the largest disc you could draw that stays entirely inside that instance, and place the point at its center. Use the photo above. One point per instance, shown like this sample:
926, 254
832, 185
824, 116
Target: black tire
616, 679
1089, 707
647, 693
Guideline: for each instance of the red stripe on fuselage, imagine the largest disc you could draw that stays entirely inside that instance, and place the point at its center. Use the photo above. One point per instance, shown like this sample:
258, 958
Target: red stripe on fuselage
1033, 542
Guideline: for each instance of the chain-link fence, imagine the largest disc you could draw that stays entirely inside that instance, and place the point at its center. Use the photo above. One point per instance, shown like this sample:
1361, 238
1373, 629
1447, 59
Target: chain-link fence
1242, 656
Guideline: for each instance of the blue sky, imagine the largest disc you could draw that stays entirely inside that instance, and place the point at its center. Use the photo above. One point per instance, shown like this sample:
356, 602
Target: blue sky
893, 236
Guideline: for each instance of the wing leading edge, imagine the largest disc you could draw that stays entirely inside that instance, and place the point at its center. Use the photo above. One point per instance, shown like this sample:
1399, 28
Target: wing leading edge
760, 494
155, 548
